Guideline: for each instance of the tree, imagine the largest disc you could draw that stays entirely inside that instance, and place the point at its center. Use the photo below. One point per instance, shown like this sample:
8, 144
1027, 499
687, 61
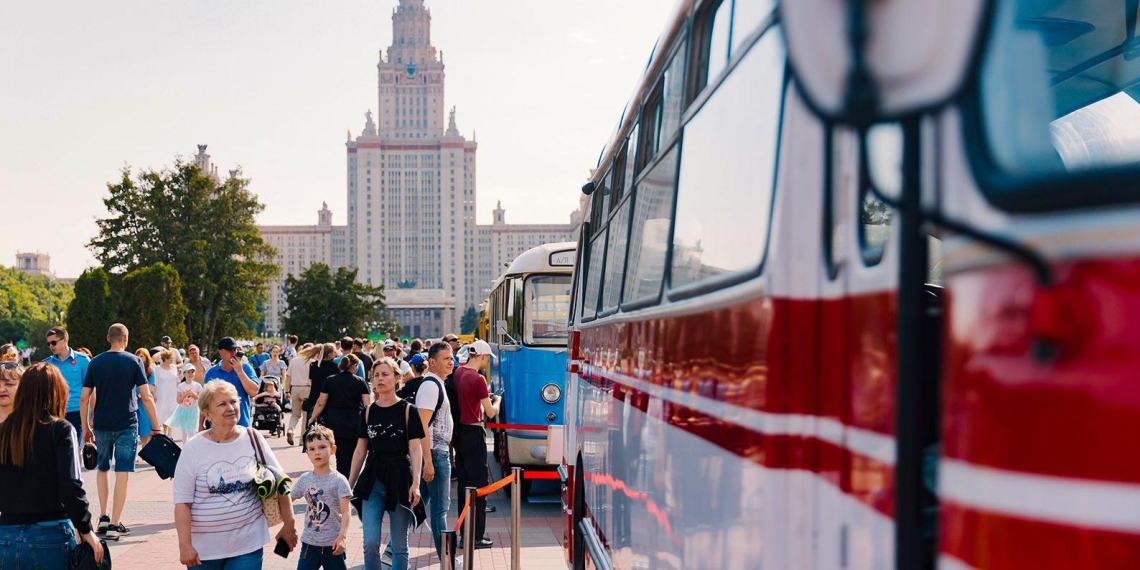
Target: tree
469, 321
150, 304
30, 303
91, 312
205, 229
322, 306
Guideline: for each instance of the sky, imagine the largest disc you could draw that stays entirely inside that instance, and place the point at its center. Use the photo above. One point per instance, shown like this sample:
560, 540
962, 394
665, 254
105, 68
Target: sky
273, 86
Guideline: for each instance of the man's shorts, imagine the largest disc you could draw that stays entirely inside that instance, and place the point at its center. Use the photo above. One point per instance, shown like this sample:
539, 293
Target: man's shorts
122, 445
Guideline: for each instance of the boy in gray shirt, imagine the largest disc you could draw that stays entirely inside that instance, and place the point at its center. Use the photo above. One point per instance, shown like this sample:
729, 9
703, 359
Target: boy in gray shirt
327, 494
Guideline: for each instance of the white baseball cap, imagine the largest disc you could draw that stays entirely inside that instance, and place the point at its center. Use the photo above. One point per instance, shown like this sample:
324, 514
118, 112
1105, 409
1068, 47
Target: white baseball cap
388, 343
480, 347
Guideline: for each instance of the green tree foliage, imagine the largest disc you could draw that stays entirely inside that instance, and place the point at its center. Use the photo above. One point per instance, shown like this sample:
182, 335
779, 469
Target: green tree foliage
29, 304
91, 312
323, 306
205, 230
469, 320
150, 304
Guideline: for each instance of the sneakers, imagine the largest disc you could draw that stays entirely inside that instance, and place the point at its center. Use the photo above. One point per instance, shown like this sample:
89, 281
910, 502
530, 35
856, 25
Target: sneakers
117, 531
289, 437
104, 522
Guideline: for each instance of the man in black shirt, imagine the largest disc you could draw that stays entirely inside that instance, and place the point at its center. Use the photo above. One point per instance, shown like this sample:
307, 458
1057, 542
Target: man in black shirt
113, 377
358, 351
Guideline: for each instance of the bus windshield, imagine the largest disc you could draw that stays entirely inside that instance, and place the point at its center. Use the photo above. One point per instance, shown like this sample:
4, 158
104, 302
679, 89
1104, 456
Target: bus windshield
1059, 87
547, 309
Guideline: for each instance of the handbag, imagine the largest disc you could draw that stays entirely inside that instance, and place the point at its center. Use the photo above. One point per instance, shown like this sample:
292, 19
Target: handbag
82, 557
269, 505
162, 453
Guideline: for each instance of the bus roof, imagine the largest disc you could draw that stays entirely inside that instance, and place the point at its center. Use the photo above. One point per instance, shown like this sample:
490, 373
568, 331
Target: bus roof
538, 260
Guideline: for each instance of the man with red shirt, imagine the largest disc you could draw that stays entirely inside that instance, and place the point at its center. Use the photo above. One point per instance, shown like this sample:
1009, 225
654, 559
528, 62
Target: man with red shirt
470, 434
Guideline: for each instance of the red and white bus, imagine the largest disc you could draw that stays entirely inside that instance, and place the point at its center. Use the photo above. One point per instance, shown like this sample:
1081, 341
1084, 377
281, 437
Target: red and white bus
860, 288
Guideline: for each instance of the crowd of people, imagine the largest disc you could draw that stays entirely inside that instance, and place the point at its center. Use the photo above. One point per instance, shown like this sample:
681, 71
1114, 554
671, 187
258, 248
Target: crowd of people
381, 423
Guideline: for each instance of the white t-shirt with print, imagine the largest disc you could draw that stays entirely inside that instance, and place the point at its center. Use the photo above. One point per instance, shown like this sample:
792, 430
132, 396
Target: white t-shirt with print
426, 397
215, 479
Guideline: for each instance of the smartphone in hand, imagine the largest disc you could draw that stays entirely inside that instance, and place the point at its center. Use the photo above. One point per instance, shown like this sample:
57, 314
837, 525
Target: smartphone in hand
282, 548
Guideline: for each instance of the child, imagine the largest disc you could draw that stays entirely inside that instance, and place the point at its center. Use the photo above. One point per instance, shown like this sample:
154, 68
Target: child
268, 398
327, 493
185, 416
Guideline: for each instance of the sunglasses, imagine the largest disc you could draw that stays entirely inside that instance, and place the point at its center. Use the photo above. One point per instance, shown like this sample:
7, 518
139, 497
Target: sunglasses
54, 342
450, 340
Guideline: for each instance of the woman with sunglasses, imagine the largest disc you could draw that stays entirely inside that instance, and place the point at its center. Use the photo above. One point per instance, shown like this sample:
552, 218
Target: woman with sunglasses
10, 373
39, 457
9, 353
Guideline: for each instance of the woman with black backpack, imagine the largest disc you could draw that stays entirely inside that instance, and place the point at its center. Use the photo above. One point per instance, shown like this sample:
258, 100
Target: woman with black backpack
38, 524
343, 397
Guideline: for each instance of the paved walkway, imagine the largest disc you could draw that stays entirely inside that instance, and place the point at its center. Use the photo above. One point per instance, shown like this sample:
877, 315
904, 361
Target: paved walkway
153, 544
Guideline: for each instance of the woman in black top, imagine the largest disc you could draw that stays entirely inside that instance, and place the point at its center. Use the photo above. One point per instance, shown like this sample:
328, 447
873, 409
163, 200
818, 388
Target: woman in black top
389, 453
42, 498
343, 397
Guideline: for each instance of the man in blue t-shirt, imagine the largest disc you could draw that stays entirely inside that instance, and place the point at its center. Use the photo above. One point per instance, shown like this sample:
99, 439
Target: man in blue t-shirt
231, 369
112, 377
73, 366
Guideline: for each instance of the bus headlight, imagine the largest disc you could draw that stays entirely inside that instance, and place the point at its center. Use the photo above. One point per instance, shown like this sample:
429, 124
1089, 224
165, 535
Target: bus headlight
551, 393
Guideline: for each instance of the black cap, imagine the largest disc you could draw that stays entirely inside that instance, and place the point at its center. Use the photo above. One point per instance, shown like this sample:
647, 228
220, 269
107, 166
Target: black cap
164, 339
227, 343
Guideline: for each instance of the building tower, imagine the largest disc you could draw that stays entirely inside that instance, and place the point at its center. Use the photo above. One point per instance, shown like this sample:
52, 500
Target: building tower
411, 184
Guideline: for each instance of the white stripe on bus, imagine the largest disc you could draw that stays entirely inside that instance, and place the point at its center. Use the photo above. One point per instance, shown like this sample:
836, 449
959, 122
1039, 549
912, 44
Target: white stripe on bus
1059, 500
874, 445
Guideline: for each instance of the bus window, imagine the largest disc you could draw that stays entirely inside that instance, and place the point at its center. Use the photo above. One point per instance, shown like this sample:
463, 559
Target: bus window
514, 302
710, 50
547, 309
746, 17
674, 83
649, 232
1058, 89
884, 171
620, 178
594, 276
651, 127
724, 191
619, 230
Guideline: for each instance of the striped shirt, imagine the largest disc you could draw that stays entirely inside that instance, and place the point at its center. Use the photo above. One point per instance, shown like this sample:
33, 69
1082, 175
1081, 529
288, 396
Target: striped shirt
216, 480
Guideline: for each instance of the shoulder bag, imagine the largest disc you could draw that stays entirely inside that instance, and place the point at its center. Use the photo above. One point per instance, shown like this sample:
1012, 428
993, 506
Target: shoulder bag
269, 505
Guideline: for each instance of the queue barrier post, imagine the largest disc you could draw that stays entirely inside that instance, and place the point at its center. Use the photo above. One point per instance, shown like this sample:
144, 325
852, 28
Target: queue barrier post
469, 529
447, 544
516, 516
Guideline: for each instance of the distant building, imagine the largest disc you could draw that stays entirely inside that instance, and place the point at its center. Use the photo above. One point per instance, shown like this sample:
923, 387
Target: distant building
34, 263
411, 200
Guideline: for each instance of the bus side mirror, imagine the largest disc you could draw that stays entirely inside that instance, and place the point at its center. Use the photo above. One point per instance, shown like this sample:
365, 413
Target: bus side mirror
917, 52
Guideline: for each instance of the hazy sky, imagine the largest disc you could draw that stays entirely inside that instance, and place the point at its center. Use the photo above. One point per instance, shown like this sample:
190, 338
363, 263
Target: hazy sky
87, 88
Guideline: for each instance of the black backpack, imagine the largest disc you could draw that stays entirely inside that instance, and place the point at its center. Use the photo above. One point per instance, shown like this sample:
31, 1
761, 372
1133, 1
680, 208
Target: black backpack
412, 387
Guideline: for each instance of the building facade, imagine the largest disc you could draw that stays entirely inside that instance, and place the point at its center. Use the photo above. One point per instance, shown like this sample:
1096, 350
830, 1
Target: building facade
411, 199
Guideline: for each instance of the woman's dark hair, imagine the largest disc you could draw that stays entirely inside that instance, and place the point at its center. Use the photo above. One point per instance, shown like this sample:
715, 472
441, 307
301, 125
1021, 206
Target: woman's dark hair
420, 368
348, 363
41, 398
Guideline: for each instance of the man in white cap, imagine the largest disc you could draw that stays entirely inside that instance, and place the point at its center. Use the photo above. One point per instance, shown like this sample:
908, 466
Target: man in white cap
392, 351
474, 402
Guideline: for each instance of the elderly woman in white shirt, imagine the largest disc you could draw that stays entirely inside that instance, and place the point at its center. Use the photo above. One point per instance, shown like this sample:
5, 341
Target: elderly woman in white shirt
216, 510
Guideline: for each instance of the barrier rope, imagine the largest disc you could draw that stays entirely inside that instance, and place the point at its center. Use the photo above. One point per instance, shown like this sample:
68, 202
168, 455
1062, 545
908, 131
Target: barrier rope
482, 492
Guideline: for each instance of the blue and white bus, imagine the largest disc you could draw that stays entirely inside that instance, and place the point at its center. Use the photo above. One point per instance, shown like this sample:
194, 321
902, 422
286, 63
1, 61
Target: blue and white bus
528, 312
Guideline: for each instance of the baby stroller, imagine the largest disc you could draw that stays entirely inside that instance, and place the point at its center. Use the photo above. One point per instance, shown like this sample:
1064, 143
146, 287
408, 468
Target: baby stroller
265, 415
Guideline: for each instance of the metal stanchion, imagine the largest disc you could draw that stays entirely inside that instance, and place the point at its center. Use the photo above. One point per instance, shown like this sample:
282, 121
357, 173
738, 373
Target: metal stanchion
516, 516
469, 529
447, 546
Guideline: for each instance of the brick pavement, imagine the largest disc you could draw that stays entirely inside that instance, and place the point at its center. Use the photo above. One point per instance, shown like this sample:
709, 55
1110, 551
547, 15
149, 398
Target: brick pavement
153, 544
